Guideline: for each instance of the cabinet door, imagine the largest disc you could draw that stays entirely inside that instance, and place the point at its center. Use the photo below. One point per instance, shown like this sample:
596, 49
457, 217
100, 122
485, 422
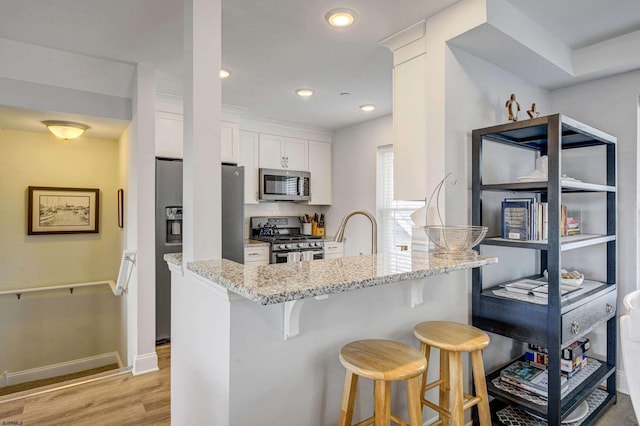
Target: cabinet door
271, 151
321, 172
230, 142
296, 154
248, 157
168, 135
409, 129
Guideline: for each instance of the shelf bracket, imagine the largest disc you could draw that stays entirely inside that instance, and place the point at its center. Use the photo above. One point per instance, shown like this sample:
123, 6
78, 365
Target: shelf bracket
417, 293
291, 324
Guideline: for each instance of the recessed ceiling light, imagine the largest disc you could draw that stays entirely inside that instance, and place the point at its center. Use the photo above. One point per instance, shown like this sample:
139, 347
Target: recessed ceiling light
341, 17
305, 93
224, 73
367, 107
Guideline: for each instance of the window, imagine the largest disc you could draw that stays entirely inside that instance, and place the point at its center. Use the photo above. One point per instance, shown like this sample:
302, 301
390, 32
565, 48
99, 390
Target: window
394, 216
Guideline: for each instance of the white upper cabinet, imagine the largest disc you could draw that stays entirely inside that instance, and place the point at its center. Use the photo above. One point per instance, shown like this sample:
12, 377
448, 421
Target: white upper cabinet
230, 142
168, 135
279, 152
411, 159
320, 167
249, 159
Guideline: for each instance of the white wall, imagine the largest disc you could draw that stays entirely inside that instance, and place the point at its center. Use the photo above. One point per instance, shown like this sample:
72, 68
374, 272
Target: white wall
611, 105
47, 328
354, 179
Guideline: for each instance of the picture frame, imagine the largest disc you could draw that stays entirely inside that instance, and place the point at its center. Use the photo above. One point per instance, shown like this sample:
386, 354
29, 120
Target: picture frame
53, 210
121, 208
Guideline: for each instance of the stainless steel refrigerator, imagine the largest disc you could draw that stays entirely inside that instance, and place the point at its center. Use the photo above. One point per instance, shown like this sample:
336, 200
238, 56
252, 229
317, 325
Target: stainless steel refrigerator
169, 228
168, 237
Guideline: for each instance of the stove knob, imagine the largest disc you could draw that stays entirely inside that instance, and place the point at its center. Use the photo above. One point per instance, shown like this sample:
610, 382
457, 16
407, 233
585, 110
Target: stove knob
300, 244
287, 246
282, 246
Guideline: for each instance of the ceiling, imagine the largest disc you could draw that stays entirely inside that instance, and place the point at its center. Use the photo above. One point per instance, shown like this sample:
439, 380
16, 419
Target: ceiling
273, 47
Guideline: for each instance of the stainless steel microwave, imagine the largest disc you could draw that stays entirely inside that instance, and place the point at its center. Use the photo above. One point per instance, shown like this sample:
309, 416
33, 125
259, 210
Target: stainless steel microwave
284, 185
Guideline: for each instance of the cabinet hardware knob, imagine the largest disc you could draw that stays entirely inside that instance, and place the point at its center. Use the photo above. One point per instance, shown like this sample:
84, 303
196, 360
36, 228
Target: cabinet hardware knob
609, 308
575, 327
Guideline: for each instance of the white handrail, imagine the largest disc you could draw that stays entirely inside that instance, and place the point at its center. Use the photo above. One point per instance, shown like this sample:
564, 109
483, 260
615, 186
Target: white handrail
20, 291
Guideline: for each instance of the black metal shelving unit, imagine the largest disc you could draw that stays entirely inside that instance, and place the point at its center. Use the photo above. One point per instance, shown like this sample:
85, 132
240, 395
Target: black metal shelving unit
560, 321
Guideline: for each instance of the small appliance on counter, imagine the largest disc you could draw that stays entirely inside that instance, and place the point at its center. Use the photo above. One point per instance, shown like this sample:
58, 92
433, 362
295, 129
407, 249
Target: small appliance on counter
286, 240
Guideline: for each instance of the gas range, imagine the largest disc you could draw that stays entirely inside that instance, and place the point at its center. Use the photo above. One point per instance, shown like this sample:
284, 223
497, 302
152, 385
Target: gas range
287, 243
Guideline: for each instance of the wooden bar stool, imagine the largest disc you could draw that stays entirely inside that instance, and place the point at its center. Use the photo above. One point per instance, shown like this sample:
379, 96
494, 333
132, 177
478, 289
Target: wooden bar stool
383, 361
453, 339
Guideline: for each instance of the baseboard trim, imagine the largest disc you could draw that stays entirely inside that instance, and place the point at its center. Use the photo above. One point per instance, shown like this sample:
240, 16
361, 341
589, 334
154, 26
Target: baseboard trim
146, 363
60, 369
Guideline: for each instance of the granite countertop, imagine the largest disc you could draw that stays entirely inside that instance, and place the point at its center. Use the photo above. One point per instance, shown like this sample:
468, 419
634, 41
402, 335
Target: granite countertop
279, 283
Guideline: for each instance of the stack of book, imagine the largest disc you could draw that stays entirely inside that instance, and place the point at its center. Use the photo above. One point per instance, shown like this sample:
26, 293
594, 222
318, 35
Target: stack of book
527, 219
524, 375
573, 357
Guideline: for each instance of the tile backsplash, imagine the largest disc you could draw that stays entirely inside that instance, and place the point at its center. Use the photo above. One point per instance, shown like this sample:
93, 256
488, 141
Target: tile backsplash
279, 209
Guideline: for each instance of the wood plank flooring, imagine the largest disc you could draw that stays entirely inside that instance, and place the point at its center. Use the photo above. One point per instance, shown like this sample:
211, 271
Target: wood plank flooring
121, 399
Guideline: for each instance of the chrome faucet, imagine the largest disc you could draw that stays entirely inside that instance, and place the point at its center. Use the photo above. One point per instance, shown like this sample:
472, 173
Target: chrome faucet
374, 228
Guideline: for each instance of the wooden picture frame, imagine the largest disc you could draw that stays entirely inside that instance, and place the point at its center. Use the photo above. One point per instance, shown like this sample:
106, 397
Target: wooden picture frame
54, 210
121, 208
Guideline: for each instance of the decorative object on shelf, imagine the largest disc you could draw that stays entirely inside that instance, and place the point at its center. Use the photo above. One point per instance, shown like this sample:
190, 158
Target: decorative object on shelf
532, 112
453, 241
121, 208
62, 210
513, 107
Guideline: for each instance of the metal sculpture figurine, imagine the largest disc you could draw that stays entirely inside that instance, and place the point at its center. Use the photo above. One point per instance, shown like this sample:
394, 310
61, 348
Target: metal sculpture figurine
513, 107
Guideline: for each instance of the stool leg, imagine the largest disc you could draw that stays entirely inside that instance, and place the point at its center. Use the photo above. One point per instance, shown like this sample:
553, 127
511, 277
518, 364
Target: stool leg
348, 399
456, 397
426, 350
382, 397
480, 385
444, 388
413, 399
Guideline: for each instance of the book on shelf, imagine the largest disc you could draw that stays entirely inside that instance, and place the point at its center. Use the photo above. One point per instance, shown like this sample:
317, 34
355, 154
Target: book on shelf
515, 220
543, 290
576, 349
573, 356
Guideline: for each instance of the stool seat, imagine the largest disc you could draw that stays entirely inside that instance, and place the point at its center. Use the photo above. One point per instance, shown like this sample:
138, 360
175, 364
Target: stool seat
382, 360
451, 336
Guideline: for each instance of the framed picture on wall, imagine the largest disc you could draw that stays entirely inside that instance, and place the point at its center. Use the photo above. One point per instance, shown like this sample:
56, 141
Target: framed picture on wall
62, 210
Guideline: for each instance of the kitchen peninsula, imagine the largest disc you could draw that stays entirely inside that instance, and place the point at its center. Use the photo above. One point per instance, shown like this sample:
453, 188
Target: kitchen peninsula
234, 358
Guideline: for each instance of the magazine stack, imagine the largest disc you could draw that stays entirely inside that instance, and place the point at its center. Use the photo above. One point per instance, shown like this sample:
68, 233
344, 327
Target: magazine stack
530, 374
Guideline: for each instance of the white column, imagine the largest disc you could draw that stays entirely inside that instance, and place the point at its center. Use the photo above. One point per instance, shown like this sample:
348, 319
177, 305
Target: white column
202, 115
142, 184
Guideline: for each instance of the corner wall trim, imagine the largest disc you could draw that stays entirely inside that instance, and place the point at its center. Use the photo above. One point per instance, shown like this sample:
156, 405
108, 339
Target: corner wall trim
146, 363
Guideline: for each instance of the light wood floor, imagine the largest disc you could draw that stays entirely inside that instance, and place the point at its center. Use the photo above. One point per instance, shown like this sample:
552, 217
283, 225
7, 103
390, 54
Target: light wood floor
121, 399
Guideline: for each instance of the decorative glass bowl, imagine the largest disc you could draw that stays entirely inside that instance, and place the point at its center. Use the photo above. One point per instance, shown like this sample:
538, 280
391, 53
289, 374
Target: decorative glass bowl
456, 241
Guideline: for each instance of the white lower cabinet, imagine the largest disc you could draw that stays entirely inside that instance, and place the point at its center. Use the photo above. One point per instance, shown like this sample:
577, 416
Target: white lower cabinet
333, 249
256, 255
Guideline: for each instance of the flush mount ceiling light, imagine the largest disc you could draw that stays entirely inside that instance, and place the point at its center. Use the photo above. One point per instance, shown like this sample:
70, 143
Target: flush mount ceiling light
224, 73
340, 18
65, 129
367, 107
305, 93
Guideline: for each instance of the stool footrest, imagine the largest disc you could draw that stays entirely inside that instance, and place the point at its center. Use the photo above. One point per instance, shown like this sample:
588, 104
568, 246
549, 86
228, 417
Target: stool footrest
469, 402
432, 385
372, 420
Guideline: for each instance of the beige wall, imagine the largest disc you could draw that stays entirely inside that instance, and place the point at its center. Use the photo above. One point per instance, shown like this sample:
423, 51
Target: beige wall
51, 327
